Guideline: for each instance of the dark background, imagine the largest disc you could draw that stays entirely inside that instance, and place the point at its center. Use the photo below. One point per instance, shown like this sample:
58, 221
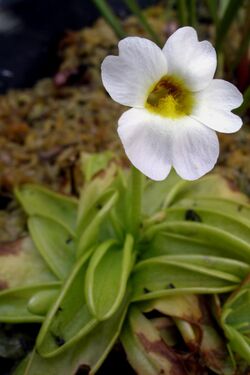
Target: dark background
30, 31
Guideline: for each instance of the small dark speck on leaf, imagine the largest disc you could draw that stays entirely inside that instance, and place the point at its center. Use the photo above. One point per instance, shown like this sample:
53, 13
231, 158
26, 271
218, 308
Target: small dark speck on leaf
99, 206
170, 286
146, 290
191, 215
83, 370
240, 207
68, 240
59, 340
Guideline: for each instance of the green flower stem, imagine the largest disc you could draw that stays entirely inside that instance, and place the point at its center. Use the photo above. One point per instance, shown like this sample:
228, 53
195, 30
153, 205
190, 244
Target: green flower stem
212, 7
192, 13
135, 200
182, 12
226, 21
134, 7
107, 12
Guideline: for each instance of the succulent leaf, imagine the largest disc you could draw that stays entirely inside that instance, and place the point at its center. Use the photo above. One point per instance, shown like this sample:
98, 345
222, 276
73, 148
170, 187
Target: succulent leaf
55, 244
107, 276
37, 200
88, 354
69, 318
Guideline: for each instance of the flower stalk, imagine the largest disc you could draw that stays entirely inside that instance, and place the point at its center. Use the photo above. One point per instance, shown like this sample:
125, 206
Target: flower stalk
136, 197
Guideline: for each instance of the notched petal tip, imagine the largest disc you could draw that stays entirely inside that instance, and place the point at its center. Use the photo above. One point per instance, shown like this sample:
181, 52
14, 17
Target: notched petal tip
191, 59
185, 31
214, 106
128, 77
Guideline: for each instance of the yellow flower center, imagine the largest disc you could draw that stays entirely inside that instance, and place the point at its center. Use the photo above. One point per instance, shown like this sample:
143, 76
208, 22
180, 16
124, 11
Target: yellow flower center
170, 98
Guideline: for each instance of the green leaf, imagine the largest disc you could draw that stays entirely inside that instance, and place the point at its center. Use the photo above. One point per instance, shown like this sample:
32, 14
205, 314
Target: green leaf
136, 10
238, 343
14, 304
165, 243
108, 14
37, 200
96, 194
239, 56
54, 243
212, 7
198, 235
146, 351
192, 12
91, 164
40, 302
226, 21
182, 12
22, 265
212, 185
93, 196
233, 267
219, 205
134, 205
157, 192
121, 213
93, 205
235, 320
106, 278
69, 318
236, 309
239, 318
233, 224
88, 353
159, 195
90, 235
160, 276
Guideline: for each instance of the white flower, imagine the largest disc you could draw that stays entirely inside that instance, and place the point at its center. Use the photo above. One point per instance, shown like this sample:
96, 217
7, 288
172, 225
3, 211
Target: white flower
177, 105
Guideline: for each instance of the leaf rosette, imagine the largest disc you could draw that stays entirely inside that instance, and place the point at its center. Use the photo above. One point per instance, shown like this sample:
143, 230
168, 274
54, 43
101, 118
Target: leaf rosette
90, 282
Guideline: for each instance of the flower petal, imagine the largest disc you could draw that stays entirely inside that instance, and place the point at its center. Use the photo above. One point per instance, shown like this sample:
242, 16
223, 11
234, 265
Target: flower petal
154, 143
194, 61
195, 149
214, 105
147, 140
220, 94
129, 76
216, 119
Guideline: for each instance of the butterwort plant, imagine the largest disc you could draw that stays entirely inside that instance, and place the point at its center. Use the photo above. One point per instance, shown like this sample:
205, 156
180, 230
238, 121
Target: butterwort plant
131, 259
